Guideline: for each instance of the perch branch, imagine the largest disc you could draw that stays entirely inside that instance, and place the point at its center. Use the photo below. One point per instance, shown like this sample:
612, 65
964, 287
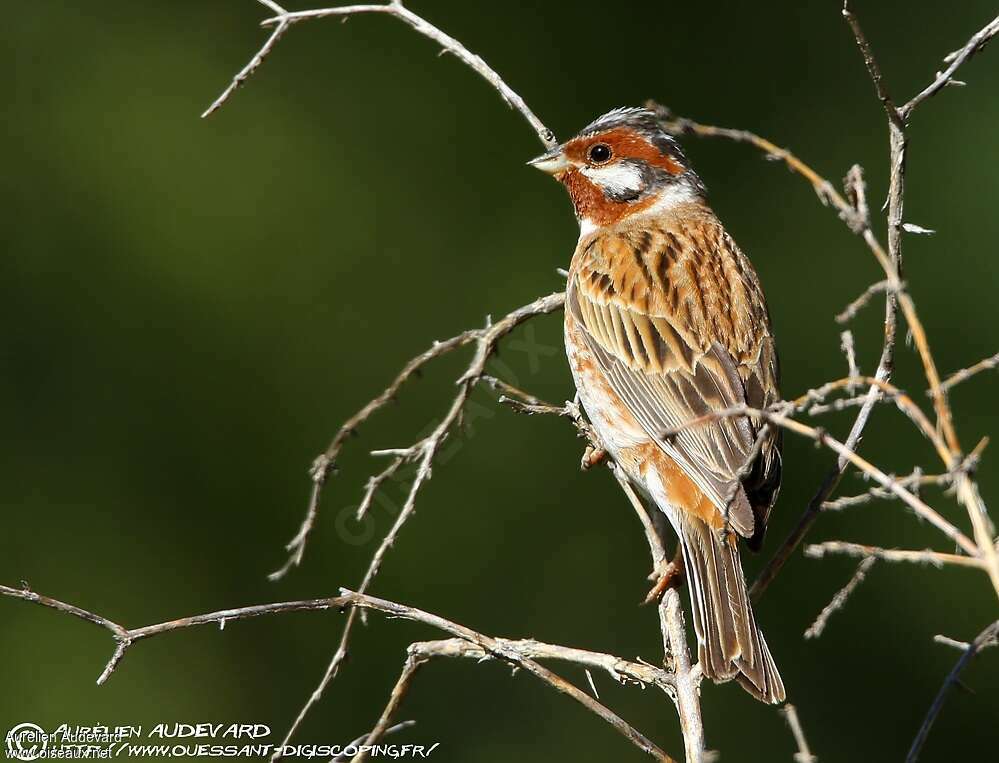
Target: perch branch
686, 678
688, 702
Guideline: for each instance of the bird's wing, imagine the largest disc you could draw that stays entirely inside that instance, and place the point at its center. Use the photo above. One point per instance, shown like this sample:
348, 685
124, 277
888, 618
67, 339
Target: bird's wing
675, 318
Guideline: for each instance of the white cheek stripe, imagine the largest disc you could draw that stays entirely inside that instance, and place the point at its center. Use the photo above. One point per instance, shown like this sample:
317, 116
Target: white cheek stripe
616, 178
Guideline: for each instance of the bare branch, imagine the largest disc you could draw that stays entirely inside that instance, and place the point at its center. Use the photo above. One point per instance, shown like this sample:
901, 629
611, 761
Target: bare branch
851, 310
497, 649
485, 339
955, 61
928, 556
912, 482
360, 740
847, 345
803, 755
125, 637
872, 66
283, 20
688, 702
247, 71
624, 672
841, 597
519, 653
823, 188
413, 662
966, 373
948, 641
988, 637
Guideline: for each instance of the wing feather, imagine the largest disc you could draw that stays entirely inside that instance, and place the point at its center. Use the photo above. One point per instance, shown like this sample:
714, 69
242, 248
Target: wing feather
675, 319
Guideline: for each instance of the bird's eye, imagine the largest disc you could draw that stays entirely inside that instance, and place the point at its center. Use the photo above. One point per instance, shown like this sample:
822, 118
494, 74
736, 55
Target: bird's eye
599, 153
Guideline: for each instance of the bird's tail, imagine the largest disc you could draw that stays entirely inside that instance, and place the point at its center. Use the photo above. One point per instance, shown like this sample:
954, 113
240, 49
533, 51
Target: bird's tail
729, 643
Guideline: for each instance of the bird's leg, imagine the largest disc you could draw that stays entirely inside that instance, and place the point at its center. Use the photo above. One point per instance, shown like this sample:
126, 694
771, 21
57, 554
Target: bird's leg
669, 575
592, 457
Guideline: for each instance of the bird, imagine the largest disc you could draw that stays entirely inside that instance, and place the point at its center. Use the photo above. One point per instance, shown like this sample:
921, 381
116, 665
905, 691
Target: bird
666, 327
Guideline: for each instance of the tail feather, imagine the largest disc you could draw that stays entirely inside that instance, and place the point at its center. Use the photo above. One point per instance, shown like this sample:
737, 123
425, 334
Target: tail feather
729, 643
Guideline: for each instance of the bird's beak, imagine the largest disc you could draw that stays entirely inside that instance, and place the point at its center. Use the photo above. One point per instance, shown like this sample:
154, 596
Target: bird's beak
553, 163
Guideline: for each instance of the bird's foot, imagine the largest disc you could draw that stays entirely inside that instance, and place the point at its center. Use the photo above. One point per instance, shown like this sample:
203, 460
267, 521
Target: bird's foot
669, 575
592, 457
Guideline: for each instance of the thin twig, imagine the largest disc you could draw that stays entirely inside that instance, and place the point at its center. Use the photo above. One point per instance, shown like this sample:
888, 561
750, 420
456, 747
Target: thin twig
966, 373
851, 310
955, 61
247, 71
360, 740
125, 637
912, 482
409, 668
804, 754
823, 188
985, 639
872, 66
927, 556
283, 20
841, 597
849, 350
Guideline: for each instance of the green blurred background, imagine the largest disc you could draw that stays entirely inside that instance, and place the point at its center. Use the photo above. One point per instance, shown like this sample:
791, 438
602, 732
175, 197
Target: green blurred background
191, 308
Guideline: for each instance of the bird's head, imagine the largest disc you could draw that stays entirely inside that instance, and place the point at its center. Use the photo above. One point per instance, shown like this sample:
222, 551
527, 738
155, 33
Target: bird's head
621, 164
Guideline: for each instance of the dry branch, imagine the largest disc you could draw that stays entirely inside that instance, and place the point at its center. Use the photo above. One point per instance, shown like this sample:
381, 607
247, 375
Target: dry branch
283, 19
966, 373
927, 556
422, 453
804, 754
985, 639
839, 600
517, 653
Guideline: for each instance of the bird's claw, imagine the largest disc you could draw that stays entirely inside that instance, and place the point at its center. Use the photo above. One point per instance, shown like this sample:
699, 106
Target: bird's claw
592, 457
670, 575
